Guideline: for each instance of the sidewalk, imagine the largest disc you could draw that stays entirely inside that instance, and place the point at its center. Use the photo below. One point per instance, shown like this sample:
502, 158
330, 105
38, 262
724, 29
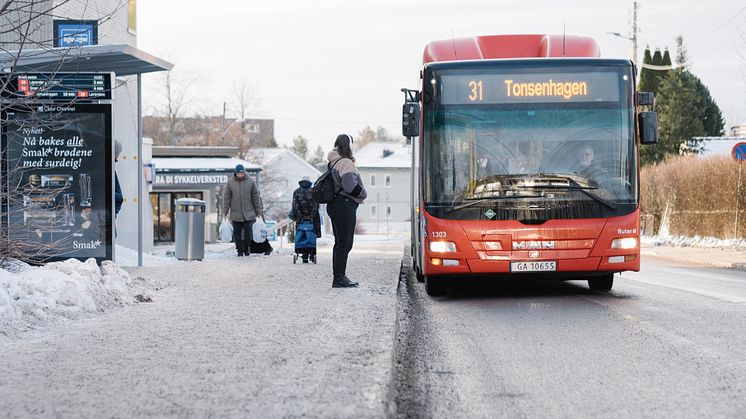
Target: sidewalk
256, 336
719, 257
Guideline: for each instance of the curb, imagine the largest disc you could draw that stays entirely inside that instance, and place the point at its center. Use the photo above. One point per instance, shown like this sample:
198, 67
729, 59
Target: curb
738, 266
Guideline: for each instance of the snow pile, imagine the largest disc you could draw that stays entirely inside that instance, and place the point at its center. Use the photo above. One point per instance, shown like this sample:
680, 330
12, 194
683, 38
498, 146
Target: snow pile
32, 297
128, 257
696, 241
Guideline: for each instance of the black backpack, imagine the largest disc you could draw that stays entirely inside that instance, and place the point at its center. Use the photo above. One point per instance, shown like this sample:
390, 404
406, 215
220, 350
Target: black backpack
323, 190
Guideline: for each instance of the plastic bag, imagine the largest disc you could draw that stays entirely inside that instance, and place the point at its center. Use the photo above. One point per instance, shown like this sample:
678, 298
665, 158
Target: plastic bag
259, 231
226, 231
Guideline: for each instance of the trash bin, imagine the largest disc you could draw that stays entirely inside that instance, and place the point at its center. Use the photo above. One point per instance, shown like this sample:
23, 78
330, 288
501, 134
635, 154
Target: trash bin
190, 229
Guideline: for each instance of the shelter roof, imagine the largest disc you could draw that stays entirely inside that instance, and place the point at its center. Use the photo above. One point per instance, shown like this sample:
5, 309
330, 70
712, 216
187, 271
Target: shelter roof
122, 59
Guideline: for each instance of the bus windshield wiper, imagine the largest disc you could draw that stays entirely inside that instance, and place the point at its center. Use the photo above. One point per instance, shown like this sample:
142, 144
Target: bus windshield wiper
574, 184
490, 199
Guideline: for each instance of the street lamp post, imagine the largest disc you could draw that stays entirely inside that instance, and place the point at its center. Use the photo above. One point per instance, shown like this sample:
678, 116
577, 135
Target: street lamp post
632, 38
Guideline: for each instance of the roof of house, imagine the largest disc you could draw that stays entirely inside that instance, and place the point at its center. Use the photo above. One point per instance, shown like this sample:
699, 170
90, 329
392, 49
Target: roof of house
201, 164
194, 151
265, 156
384, 155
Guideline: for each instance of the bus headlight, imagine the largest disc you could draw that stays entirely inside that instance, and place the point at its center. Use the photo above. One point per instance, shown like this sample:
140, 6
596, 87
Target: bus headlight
442, 247
625, 243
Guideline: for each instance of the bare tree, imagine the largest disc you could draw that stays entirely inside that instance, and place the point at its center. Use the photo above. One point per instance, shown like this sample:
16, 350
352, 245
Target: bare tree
245, 100
24, 27
176, 92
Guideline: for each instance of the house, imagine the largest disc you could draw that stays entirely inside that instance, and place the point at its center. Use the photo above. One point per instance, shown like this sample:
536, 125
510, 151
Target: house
384, 167
738, 130
281, 171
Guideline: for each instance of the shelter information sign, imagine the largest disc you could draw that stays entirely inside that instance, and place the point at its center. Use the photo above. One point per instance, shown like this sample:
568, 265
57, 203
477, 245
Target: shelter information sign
59, 182
60, 86
75, 33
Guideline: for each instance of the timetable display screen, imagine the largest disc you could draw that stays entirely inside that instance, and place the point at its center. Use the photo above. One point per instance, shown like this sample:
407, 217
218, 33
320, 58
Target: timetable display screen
60, 86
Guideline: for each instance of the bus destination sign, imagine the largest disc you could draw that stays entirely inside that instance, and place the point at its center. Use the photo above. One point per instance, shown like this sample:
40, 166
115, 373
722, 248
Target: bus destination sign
60, 86
460, 89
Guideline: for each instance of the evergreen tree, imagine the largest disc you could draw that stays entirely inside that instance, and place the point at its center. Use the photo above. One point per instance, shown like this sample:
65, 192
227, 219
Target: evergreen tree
682, 56
300, 146
651, 78
681, 112
666, 58
318, 157
646, 74
657, 57
713, 118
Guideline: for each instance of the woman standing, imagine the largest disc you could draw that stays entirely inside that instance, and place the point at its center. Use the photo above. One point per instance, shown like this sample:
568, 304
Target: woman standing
349, 194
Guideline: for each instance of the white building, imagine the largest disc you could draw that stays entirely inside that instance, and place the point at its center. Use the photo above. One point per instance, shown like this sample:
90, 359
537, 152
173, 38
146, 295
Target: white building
738, 130
384, 168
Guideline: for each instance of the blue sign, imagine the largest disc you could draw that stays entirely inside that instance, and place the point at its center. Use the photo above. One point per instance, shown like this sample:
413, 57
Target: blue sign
75, 33
739, 152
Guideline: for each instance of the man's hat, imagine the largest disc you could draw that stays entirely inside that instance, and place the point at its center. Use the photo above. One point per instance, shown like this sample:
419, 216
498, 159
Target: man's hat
239, 168
304, 179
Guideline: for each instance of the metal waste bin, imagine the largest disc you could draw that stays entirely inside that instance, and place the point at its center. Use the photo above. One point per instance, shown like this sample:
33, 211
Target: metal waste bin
190, 229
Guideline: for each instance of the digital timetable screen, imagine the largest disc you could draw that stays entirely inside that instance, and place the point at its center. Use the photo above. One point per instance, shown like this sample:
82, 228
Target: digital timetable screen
60, 86
507, 88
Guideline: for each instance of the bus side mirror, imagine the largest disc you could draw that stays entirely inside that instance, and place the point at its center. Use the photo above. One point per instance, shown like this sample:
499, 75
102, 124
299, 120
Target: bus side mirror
410, 124
645, 98
648, 123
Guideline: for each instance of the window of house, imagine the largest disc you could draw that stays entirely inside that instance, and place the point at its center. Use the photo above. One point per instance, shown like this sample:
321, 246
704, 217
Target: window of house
252, 128
388, 212
373, 211
387, 181
372, 180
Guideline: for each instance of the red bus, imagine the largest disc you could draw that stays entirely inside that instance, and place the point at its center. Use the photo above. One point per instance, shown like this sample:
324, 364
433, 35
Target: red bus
526, 161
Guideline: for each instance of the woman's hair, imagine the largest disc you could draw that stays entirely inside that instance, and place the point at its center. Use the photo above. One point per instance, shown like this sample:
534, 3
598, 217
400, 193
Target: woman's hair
342, 144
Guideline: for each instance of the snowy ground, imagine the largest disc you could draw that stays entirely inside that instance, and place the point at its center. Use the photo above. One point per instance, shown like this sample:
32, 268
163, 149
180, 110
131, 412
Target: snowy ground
33, 298
255, 336
696, 241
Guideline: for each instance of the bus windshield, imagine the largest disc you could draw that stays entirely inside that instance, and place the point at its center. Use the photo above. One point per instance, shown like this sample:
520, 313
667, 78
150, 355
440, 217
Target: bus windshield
557, 141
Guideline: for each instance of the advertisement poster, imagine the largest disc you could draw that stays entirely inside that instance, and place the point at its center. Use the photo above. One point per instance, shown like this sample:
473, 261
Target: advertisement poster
58, 169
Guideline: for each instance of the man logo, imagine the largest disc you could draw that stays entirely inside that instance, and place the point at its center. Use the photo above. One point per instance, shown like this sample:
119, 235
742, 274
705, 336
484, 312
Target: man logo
534, 254
533, 245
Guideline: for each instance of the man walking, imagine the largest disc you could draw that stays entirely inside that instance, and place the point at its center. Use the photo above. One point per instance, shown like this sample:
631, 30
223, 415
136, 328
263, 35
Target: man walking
241, 199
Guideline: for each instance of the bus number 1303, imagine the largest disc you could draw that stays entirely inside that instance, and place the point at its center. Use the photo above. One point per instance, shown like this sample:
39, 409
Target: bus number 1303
439, 234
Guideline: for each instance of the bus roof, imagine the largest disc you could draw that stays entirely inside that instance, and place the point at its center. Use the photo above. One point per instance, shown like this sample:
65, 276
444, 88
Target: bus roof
510, 46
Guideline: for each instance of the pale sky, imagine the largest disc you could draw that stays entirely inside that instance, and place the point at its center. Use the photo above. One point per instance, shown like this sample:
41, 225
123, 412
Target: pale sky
322, 67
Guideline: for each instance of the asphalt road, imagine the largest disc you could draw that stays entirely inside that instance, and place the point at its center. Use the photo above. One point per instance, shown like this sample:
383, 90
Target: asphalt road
665, 342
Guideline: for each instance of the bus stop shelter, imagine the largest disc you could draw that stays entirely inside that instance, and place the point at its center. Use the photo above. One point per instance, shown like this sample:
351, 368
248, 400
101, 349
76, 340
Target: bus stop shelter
123, 60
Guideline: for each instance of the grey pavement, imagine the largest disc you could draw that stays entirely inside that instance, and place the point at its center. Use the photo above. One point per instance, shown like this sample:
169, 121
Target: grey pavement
250, 337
